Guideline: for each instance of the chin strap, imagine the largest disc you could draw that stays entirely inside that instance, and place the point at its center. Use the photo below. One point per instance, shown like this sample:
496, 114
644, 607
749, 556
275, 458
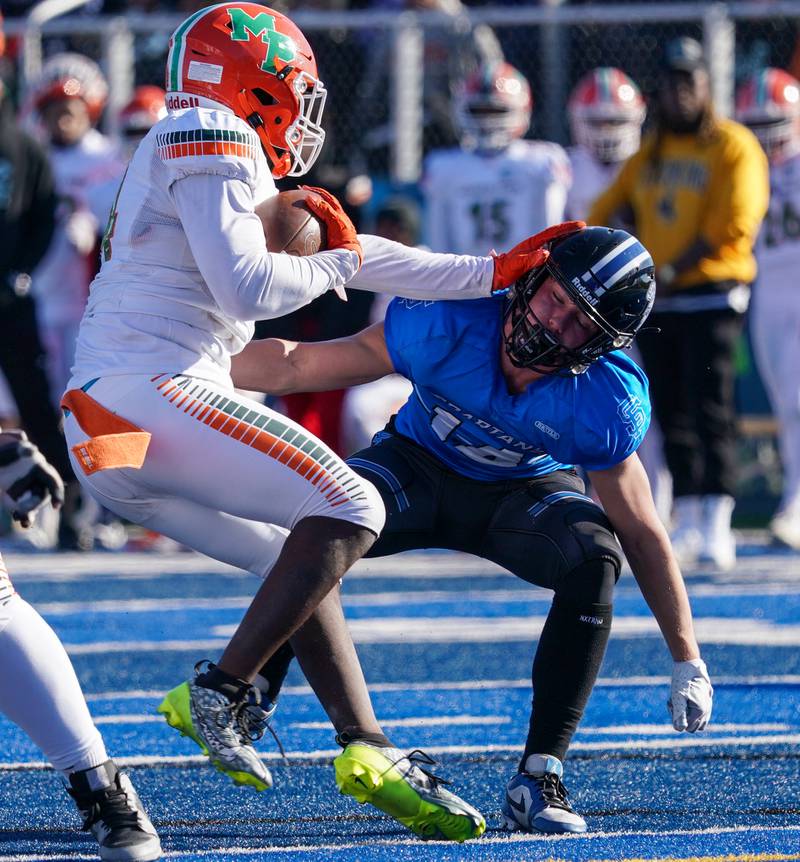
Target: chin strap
280, 165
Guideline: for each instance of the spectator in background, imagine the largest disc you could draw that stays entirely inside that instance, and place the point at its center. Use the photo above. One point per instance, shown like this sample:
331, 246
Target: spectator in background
696, 192
495, 188
606, 112
68, 98
27, 219
452, 52
769, 103
367, 408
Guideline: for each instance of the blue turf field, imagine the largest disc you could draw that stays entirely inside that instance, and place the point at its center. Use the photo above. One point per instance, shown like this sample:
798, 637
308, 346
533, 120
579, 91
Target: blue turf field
446, 642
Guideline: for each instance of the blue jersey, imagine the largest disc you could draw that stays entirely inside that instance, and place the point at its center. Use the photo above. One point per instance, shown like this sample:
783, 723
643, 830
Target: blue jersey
461, 410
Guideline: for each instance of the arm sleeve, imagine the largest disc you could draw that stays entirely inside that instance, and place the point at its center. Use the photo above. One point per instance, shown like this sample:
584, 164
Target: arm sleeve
739, 195
616, 196
390, 267
40, 219
227, 242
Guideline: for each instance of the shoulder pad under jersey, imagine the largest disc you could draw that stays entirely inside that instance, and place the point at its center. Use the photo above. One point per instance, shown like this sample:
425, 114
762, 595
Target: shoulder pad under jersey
207, 141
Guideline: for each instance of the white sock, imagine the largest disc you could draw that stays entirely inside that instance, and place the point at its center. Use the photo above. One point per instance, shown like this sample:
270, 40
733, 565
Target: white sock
40, 693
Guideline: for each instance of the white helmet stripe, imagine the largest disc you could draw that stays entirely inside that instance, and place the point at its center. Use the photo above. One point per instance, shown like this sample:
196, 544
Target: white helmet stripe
178, 48
626, 268
614, 252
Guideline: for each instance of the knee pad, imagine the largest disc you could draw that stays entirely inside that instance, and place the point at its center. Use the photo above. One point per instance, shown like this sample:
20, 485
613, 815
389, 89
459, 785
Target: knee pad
594, 560
591, 583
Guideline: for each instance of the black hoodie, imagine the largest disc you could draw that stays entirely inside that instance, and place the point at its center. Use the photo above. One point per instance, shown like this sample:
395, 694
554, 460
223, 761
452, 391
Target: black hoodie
27, 198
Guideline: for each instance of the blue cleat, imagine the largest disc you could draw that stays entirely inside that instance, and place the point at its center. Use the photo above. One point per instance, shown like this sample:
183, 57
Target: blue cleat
536, 800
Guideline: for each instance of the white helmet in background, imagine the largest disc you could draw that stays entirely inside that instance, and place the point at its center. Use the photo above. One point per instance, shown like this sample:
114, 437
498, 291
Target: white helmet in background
769, 103
606, 112
493, 107
70, 76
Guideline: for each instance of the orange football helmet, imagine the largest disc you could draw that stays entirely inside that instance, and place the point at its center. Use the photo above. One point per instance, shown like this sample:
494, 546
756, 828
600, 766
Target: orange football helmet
606, 111
492, 107
769, 103
146, 107
71, 76
255, 61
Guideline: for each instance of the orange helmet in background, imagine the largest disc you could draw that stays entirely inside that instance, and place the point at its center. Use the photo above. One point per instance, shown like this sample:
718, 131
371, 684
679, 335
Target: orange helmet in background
146, 107
492, 107
255, 61
606, 111
71, 76
769, 103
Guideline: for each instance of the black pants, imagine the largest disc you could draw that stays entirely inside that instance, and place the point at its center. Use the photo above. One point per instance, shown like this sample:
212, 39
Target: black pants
691, 366
23, 361
544, 530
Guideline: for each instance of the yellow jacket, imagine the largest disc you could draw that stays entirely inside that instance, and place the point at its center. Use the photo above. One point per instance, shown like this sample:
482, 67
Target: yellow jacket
717, 190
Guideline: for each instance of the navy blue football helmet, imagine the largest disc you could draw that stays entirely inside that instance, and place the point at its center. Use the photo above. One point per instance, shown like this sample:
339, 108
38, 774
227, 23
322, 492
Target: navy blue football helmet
608, 274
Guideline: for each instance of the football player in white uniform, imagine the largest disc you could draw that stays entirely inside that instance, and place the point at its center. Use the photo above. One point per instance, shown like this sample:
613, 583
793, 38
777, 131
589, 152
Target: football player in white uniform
157, 433
606, 112
769, 103
497, 188
144, 109
68, 98
40, 693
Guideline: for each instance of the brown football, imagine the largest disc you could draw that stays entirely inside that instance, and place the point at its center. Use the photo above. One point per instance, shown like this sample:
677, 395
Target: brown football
289, 225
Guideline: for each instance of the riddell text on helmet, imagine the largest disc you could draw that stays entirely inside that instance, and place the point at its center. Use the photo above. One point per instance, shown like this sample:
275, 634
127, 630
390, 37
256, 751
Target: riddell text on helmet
175, 103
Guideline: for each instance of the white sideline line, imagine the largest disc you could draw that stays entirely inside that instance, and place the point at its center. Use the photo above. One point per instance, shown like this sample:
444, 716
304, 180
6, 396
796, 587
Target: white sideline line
129, 718
677, 742
481, 685
419, 721
515, 837
386, 599
454, 629
664, 729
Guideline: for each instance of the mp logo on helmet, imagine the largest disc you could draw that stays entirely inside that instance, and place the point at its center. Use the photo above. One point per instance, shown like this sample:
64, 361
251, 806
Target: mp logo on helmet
278, 45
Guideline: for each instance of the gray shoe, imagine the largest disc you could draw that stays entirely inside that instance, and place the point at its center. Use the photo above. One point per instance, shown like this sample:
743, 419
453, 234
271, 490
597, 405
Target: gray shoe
536, 800
223, 729
113, 813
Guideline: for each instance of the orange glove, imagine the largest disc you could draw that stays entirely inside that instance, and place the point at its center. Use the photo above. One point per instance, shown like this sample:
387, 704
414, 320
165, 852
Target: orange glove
527, 255
341, 231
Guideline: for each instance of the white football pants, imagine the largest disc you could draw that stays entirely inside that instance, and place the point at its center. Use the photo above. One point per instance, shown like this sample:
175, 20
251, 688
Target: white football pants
223, 474
775, 333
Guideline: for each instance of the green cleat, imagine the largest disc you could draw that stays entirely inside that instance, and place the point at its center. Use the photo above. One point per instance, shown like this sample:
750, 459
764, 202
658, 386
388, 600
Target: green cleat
223, 730
395, 783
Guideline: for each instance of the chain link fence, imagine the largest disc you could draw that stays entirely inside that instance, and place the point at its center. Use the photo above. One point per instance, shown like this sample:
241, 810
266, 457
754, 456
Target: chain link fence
390, 75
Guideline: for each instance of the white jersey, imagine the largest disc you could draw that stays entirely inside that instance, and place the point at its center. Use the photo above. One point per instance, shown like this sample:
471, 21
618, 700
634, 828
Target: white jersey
186, 271
85, 175
778, 244
590, 178
476, 202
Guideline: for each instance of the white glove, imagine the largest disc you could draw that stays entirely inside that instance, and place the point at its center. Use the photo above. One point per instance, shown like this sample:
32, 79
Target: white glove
26, 477
689, 704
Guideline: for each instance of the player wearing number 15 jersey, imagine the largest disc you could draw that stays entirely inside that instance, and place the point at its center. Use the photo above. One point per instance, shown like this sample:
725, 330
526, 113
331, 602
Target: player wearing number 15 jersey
510, 394
769, 103
497, 188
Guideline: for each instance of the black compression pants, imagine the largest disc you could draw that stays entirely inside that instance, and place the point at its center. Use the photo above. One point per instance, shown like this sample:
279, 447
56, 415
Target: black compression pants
544, 530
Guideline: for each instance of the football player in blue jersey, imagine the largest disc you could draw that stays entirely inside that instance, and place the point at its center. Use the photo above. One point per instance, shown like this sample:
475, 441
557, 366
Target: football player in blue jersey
511, 393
